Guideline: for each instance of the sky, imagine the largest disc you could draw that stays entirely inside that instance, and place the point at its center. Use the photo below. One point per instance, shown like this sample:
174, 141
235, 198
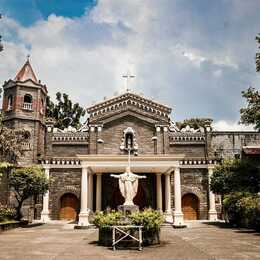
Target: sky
194, 56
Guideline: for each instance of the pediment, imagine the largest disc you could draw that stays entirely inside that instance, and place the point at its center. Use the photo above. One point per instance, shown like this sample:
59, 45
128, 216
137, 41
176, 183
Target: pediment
129, 103
131, 113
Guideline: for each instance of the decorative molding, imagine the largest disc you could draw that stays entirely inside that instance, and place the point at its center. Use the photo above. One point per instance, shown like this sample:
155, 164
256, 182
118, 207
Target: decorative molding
71, 137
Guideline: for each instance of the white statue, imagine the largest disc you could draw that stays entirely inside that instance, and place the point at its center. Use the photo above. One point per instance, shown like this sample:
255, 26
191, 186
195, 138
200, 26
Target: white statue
128, 185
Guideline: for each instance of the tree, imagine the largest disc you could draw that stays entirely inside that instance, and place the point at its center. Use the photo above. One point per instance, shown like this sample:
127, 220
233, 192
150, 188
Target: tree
64, 111
251, 113
195, 123
27, 182
10, 143
257, 60
235, 176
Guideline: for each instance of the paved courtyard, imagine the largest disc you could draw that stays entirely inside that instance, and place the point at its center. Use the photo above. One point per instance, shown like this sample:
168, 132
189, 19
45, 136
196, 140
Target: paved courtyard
60, 241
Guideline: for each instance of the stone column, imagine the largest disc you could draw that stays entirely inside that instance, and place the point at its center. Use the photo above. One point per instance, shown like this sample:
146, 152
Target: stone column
168, 209
212, 207
84, 211
159, 191
178, 215
98, 192
45, 209
90, 191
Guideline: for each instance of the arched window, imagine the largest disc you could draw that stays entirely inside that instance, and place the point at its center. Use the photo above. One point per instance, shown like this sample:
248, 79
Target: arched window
10, 102
27, 102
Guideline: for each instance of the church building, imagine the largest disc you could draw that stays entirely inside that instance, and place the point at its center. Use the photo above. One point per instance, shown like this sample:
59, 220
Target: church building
177, 163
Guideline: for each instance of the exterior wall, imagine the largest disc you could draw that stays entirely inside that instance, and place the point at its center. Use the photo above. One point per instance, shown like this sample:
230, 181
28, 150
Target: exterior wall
112, 135
63, 181
229, 144
188, 150
68, 150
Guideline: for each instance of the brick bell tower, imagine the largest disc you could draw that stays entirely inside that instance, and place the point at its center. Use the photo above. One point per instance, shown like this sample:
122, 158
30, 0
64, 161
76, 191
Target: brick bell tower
24, 105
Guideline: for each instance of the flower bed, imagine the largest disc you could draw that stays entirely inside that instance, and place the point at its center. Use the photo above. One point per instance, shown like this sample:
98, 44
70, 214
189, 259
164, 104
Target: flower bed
149, 219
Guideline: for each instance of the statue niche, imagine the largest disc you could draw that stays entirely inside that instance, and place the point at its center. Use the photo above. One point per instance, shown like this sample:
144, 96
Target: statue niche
129, 140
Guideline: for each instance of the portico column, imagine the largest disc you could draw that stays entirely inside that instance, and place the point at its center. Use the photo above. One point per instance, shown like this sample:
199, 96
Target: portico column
98, 192
178, 215
90, 189
84, 211
45, 209
168, 210
212, 207
159, 190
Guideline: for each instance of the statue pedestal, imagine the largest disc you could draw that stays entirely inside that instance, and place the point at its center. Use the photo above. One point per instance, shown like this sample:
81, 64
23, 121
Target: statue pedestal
128, 209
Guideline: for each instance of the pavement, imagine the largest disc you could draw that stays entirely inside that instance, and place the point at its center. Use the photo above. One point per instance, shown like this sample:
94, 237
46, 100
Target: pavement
58, 240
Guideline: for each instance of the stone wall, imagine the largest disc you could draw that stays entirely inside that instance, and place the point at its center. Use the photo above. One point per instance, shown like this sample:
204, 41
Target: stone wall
63, 181
229, 144
187, 150
112, 135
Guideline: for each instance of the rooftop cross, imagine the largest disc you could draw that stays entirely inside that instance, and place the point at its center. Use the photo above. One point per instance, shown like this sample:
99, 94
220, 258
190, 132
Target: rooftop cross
128, 76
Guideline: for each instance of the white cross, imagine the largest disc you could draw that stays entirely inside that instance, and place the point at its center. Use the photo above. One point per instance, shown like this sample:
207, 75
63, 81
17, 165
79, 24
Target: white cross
128, 76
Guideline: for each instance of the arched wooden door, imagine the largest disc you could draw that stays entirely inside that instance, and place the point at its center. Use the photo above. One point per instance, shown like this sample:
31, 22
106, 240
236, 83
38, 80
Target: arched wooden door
190, 206
69, 207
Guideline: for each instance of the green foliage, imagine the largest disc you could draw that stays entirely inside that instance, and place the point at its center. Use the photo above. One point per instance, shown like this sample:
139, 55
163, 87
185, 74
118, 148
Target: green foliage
27, 182
6, 213
10, 144
235, 176
104, 220
150, 219
257, 60
64, 111
243, 209
251, 113
195, 123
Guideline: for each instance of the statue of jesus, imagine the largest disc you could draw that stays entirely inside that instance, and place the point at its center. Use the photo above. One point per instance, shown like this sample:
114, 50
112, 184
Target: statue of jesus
128, 185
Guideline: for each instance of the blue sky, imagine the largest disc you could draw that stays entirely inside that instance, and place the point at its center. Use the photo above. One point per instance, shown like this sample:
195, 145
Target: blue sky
28, 12
195, 56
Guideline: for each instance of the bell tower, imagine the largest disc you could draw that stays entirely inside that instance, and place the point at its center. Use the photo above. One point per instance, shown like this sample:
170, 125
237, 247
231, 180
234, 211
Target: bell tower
24, 105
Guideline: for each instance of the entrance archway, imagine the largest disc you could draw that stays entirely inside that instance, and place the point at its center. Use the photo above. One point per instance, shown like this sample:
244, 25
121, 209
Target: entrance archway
69, 207
190, 206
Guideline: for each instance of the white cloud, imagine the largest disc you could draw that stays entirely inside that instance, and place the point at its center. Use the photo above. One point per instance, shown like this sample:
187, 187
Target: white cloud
171, 55
223, 125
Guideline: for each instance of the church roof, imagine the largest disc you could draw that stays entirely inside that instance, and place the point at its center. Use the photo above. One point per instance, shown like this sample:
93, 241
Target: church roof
134, 98
129, 101
26, 73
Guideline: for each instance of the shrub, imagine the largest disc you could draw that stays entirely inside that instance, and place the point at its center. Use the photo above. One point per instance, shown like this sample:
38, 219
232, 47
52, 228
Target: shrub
150, 219
250, 207
232, 208
243, 209
6, 213
104, 220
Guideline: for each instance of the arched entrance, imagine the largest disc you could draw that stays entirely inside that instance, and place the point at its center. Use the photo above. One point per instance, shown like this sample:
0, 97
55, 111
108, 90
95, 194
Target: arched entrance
69, 206
190, 206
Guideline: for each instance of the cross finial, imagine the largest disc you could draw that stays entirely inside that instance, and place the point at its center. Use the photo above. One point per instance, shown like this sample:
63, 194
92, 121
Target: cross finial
28, 57
128, 76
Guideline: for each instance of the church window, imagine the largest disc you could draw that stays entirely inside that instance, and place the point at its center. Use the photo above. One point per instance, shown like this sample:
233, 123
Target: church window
27, 102
10, 103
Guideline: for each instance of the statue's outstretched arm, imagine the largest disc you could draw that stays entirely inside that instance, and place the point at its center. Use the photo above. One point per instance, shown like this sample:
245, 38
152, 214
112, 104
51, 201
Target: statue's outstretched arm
115, 176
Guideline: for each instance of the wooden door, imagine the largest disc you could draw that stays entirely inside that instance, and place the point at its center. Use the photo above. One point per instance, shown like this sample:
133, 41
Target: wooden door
190, 206
69, 207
